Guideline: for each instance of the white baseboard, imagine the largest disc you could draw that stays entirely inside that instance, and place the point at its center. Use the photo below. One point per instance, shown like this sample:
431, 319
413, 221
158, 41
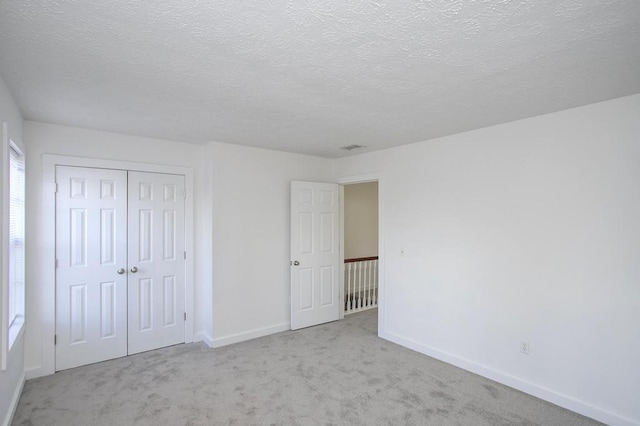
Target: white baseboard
204, 338
514, 382
248, 335
14, 402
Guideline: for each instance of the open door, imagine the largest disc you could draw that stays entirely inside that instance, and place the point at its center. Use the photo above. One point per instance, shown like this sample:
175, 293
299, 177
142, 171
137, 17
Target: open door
315, 253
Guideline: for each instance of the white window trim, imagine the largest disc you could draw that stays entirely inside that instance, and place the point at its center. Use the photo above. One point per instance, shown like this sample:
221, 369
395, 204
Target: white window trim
10, 330
4, 279
16, 324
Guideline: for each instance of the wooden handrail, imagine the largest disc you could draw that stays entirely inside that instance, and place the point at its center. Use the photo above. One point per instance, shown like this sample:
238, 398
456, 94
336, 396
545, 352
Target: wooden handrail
360, 259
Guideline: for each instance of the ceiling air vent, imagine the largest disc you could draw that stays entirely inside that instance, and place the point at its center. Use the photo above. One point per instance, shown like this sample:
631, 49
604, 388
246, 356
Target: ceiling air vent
352, 147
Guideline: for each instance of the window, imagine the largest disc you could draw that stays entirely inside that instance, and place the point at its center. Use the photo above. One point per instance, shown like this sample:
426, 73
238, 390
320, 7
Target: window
16, 286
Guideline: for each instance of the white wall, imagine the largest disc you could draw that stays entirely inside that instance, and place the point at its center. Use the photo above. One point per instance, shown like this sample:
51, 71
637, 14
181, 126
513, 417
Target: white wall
361, 220
12, 378
61, 140
527, 230
251, 237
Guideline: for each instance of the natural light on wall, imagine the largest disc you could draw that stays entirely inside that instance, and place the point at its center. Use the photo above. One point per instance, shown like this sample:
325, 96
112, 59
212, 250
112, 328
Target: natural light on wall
13, 307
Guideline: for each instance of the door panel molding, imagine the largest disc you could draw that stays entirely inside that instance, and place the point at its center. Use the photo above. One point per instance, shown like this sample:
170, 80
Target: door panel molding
46, 298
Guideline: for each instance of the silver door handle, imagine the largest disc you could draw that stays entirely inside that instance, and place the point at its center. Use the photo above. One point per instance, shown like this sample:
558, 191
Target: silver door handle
296, 263
120, 271
134, 270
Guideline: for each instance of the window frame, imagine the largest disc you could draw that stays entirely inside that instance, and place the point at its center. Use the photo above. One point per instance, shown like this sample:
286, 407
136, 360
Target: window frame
16, 316
11, 328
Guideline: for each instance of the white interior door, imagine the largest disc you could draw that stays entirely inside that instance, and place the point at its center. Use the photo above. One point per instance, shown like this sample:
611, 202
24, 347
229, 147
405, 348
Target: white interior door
120, 263
315, 255
91, 260
156, 261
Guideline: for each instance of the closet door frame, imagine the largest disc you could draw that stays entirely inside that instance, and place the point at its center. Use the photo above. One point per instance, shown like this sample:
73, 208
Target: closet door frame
46, 297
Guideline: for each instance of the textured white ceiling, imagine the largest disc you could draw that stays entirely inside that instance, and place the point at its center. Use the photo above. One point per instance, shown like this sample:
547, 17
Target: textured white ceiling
312, 76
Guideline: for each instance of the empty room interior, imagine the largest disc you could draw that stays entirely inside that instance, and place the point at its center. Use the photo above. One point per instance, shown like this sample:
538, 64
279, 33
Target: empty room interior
282, 212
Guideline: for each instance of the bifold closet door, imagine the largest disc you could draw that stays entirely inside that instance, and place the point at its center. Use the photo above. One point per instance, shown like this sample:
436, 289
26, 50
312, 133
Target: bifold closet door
91, 261
120, 263
156, 260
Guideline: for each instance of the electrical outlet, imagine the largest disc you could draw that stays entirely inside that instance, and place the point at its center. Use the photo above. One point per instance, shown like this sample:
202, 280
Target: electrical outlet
524, 347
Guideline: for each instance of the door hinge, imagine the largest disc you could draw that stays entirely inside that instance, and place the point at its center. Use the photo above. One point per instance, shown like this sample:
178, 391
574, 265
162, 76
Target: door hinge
55, 187
56, 264
185, 316
55, 339
185, 255
184, 194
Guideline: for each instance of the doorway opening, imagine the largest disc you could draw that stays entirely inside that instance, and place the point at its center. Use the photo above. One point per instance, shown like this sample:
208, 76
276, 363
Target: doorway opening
320, 291
360, 255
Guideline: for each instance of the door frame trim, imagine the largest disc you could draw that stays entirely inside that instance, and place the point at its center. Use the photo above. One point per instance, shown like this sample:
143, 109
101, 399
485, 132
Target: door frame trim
364, 178
46, 299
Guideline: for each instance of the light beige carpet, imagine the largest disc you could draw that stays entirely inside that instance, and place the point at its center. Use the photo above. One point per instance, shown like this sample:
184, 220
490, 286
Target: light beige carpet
334, 374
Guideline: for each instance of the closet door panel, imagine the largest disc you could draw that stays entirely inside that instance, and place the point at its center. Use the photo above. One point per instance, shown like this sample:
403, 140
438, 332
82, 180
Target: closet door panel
91, 250
156, 261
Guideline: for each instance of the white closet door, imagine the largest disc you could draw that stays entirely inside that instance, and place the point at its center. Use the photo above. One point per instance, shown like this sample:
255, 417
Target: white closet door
156, 261
91, 279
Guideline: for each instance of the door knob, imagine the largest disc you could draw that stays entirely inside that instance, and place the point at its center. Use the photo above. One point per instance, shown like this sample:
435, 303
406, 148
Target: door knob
134, 270
120, 271
296, 263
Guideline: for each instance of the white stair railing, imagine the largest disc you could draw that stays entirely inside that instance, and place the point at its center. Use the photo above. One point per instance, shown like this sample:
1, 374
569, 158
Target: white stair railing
360, 284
